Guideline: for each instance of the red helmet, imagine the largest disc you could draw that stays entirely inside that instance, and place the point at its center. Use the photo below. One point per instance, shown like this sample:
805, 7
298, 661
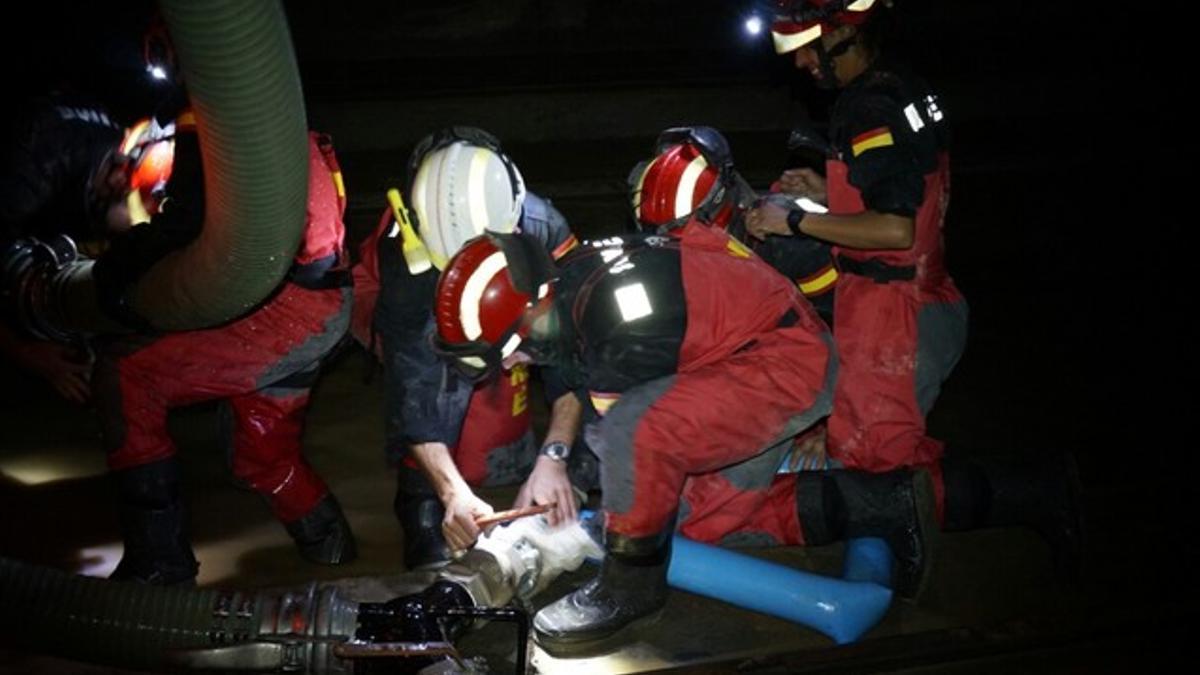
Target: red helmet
486, 297
151, 153
799, 22
690, 175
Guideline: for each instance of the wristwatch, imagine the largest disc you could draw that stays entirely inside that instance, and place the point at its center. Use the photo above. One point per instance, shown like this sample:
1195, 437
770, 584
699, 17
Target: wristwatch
557, 450
794, 217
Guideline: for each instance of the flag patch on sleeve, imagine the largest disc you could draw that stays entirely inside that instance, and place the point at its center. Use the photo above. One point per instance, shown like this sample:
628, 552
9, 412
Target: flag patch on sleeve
879, 137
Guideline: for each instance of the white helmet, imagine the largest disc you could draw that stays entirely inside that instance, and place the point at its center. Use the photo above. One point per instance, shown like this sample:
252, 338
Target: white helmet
460, 185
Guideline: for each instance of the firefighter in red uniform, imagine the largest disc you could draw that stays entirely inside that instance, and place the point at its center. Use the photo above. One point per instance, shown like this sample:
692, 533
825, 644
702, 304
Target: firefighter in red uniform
900, 323
705, 363
691, 175
447, 433
263, 363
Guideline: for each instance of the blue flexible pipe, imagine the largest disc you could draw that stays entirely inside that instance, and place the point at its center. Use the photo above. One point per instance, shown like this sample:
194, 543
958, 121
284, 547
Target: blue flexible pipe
842, 609
868, 559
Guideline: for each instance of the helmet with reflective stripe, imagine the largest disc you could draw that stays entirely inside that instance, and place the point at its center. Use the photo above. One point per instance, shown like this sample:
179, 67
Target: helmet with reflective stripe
799, 22
460, 185
486, 297
151, 152
691, 175
135, 172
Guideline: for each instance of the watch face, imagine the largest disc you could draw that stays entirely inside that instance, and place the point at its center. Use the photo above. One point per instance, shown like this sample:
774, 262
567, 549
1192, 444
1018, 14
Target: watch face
557, 450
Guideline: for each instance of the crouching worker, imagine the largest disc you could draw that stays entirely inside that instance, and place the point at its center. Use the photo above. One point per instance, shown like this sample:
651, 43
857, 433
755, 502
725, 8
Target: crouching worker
705, 363
263, 363
447, 433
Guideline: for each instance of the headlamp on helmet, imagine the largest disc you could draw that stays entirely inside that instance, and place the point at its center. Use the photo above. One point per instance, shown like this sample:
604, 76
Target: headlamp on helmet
157, 51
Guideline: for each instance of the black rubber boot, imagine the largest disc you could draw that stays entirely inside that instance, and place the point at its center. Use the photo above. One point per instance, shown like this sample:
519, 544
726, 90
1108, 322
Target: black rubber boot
420, 513
154, 526
631, 585
898, 507
323, 535
1040, 491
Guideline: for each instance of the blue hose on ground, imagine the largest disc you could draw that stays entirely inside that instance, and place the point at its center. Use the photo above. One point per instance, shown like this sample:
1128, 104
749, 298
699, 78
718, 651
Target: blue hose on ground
841, 609
868, 559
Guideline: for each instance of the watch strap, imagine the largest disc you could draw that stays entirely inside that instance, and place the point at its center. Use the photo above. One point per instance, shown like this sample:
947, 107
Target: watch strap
794, 217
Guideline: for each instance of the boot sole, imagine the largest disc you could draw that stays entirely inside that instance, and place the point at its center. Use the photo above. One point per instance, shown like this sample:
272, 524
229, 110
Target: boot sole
576, 645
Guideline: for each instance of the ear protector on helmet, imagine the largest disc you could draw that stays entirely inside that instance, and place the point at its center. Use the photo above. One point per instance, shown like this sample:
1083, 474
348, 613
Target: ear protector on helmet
137, 170
460, 183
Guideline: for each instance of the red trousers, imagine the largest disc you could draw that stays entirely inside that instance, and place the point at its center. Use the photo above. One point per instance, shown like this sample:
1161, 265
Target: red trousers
707, 443
496, 443
896, 345
264, 364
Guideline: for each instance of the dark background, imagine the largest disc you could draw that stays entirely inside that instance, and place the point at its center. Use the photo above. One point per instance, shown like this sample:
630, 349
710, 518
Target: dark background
1066, 231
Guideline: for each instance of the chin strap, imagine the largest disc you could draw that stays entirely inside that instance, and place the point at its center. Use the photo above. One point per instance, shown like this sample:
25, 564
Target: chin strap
826, 57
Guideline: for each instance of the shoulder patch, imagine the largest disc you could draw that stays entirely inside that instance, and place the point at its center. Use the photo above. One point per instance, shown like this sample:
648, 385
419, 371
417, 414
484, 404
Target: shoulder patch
565, 247
602, 401
737, 248
878, 137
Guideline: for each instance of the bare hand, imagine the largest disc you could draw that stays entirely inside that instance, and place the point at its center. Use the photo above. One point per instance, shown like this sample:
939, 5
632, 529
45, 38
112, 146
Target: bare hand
765, 219
61, 366
803, 183
548, 484
808, 453
459, 526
